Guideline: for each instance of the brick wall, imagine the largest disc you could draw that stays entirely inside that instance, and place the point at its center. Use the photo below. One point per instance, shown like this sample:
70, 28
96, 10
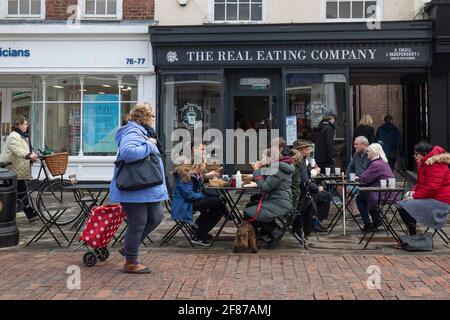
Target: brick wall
380, 100
138, 9
57, 9
131, 9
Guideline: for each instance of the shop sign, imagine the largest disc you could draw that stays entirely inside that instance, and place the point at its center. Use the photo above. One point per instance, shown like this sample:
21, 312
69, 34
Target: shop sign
190, 113
296, 54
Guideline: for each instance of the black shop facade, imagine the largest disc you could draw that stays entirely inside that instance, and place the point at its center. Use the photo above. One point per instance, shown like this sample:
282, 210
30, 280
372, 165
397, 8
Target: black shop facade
284, 77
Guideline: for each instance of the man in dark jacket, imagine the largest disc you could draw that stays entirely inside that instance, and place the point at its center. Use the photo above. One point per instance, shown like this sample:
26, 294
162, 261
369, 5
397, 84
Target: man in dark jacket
322, 199
391, 140
325, 148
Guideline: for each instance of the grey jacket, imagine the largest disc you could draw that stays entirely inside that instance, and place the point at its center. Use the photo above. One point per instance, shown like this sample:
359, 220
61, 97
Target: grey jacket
275, 185
359, 164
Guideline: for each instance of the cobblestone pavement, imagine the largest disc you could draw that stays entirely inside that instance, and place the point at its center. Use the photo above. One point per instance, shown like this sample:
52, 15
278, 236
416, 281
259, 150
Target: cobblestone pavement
334, 267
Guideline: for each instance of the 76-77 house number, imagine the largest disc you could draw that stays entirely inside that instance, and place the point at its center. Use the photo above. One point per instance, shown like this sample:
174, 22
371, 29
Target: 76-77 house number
135, 60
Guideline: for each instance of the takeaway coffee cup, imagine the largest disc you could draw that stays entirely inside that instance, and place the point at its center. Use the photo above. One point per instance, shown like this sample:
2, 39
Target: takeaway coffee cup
383, 183
312, 162
327, 171
391, 182
191, 117
352, 176
337, 171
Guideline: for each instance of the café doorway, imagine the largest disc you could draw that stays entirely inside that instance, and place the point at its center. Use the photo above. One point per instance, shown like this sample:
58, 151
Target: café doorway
252, 112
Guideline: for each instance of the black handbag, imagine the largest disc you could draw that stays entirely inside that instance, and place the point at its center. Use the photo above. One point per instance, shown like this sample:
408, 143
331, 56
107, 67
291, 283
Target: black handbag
139, 174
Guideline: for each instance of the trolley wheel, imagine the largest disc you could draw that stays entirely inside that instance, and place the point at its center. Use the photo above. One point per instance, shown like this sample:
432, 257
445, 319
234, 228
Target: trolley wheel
89, 259
103, 254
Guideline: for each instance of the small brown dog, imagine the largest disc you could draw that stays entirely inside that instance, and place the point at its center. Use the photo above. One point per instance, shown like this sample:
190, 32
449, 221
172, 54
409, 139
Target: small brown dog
245, 237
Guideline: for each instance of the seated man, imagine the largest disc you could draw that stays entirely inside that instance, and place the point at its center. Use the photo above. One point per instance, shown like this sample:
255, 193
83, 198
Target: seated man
322, 198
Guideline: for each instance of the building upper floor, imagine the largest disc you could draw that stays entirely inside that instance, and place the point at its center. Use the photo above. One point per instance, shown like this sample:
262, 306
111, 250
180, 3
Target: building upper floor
195, 12
85, 10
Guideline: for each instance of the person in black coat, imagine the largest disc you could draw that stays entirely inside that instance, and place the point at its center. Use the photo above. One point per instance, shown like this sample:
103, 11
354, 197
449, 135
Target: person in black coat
317, 210
365, 129
391, 140
325, 152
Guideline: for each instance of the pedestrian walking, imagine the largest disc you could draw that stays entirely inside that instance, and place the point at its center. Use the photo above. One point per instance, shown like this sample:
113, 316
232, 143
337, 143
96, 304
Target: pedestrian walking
325, 151
391, 139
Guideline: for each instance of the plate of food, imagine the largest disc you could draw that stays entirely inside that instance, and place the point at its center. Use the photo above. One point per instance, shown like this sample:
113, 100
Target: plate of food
250, 185
216, 182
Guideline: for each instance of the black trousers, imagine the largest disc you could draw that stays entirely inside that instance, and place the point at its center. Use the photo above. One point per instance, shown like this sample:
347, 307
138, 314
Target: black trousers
322, 200
304, 220
23, 197
212, 209
409, 221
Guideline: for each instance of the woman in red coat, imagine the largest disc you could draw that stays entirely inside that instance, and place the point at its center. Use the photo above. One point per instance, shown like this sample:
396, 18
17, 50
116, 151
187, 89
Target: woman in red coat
429, 201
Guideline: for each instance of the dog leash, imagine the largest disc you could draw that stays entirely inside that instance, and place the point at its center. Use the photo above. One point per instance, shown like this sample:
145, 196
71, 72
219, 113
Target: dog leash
258, 209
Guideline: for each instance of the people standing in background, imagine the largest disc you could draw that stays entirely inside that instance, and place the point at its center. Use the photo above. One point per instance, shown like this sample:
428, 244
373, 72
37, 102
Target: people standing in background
325, 151
391, 140
365, 128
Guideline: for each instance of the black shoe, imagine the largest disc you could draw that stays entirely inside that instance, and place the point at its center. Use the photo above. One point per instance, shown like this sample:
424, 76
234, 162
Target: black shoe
33, 217
201, 242
319, 228
209, 237
377, 223
367, 228
276, 236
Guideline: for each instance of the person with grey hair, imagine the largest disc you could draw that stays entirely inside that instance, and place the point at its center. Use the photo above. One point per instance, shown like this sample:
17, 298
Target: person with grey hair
359, 162
377, 170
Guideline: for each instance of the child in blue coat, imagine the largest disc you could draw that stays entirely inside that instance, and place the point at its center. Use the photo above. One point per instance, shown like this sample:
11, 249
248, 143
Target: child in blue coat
188, 197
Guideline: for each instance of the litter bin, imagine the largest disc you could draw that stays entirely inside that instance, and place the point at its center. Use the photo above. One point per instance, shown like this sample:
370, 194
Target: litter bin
9, 233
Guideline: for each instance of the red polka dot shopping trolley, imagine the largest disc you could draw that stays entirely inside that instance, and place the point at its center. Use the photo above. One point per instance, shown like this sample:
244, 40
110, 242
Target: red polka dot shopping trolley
100, 229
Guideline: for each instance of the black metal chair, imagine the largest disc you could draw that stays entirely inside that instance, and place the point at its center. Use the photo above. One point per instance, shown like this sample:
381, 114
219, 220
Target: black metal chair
186, 228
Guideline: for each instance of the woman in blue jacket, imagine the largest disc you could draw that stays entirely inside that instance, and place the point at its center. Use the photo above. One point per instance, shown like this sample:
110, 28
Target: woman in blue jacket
142, 207
188, 198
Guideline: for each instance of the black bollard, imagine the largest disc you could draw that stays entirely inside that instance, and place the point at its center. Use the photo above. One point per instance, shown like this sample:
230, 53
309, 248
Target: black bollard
9, 233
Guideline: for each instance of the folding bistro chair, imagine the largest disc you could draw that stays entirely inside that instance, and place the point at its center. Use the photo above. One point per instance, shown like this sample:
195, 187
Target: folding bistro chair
185, 227
287, 220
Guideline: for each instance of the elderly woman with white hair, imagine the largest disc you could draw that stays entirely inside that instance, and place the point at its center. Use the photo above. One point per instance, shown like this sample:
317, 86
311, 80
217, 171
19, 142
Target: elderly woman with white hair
377, 170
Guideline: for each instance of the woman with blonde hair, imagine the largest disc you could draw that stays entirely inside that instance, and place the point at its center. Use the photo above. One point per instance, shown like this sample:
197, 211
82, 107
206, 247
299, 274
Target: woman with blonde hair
365, 128
188, 197
377, 170
142, 207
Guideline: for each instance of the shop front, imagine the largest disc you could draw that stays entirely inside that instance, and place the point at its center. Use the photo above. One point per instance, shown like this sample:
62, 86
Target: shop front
75, 88
284, 77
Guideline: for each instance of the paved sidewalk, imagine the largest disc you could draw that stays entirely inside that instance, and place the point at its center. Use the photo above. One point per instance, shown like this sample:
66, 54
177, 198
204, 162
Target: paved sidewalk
202, 274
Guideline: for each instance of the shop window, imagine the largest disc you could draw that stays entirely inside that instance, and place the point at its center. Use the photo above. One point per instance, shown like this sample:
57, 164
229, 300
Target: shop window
63, 88
238, 10
129, 94
337, 10
310, 97
62, 127
189, 99
102, 9
26, 9
82, 113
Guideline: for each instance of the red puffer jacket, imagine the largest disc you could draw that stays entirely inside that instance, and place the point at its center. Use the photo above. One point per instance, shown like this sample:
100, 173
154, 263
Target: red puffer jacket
433, 179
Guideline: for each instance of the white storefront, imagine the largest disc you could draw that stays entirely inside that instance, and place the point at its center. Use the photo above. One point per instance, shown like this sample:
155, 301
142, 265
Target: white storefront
75, 86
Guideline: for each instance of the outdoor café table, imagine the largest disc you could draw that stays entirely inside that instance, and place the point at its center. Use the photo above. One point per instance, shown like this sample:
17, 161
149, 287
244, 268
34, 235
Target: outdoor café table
333, 189
87, 196
235, 214
384, 206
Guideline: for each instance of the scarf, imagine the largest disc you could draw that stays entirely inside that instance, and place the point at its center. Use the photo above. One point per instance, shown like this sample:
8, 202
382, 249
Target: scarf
25, 136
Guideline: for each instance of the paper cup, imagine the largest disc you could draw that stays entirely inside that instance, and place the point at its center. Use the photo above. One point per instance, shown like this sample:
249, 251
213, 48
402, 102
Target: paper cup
392, 182
383, 183
352, 176
337, 171
327, 171
312, 162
